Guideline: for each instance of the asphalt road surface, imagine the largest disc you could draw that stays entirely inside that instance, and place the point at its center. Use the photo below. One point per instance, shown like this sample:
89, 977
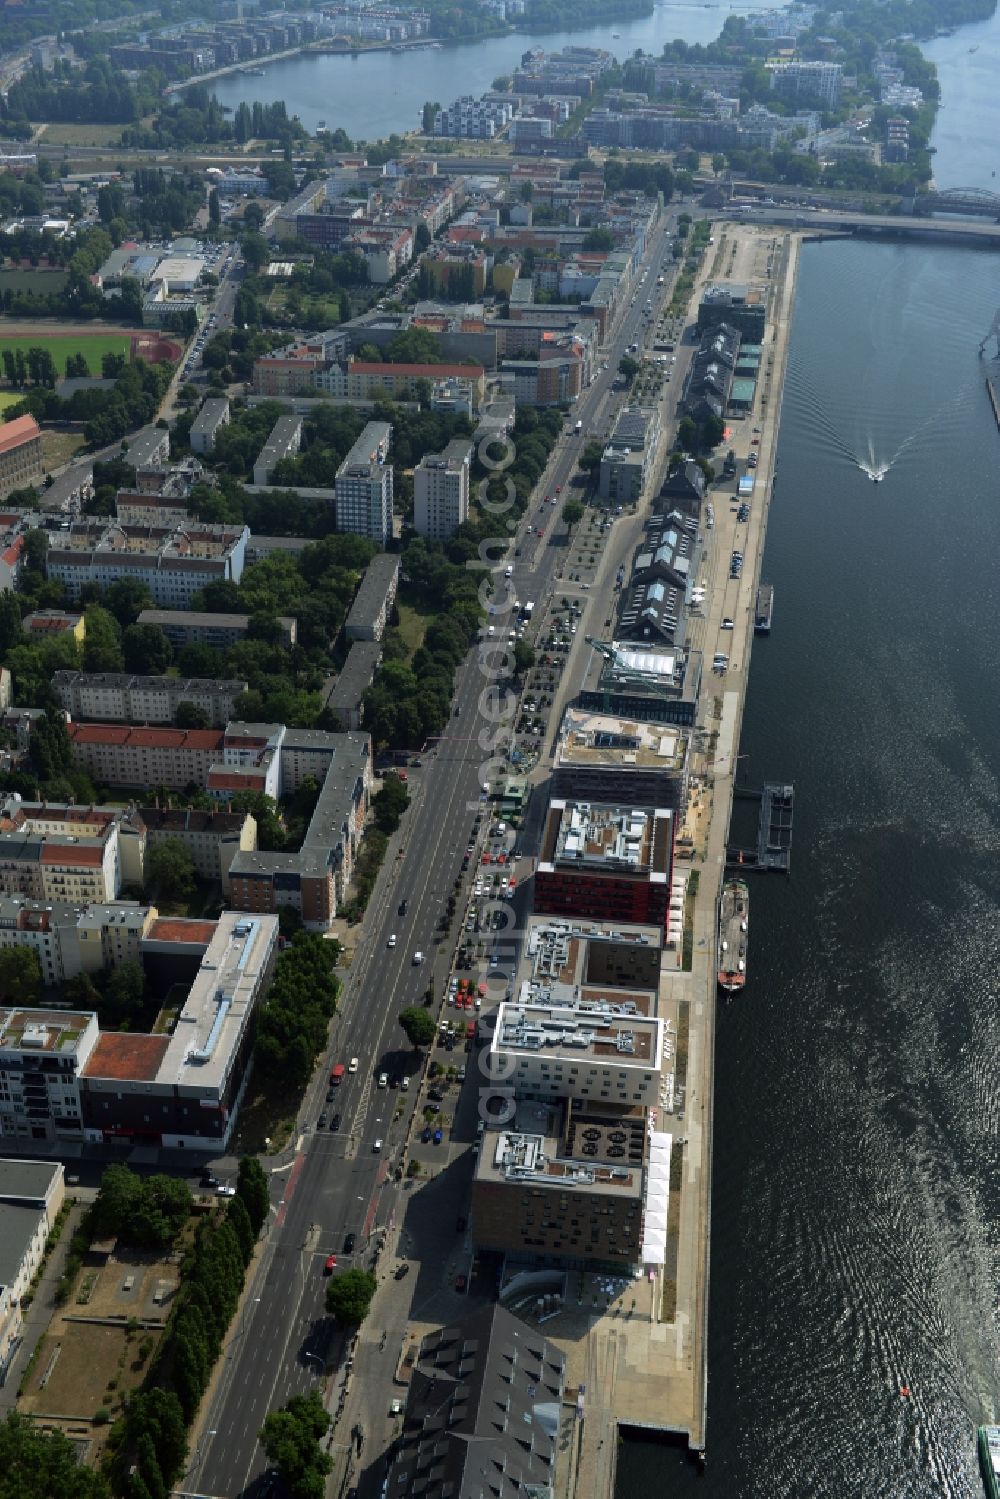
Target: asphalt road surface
338, 1182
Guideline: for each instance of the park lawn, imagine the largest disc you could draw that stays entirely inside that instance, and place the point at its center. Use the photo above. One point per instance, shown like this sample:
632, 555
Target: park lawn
9, 398
81, 135
412, 627
92, 345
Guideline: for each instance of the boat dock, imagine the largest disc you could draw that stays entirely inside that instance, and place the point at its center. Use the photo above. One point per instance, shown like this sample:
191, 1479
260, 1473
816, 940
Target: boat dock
773, 849
763, 609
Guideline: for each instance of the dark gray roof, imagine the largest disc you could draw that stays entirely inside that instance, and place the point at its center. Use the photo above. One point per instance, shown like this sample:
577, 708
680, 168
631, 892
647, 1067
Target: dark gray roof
27, 1182
482, 1415
355, 677
369, 600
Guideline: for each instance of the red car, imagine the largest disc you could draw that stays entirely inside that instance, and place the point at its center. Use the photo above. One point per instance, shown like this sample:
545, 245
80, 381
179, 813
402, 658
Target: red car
501, 858
331, 1264
513, 885
486, 859
558, 489
470, 1029
460, 1282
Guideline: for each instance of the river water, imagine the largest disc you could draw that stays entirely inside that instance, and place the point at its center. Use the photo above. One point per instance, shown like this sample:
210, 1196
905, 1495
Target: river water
965, 139
377, 93
856, 1208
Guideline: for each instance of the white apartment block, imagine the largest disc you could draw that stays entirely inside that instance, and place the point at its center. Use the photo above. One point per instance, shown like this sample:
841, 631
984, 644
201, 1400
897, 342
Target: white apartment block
441, 490
123, 698
173, 564
364, 486
605, 1052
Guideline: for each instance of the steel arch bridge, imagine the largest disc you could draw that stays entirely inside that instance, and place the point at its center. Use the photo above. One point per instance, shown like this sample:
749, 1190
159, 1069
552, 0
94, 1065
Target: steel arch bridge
961, 200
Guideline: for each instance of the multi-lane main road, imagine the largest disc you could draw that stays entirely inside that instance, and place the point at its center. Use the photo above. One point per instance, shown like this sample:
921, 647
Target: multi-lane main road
338, 1183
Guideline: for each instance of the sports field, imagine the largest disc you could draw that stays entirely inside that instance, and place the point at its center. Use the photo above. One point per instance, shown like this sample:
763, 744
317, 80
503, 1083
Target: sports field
61, 345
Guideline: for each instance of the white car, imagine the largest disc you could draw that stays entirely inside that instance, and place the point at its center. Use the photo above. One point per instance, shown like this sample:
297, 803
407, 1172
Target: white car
376, 1147
383, 1080
392, 940
418, 958
404, 1082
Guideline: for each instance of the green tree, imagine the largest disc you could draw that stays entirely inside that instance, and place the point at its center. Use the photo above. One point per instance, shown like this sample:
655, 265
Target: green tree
190, 716
418, 1025
291, 1438
524, 657
264, 810
37, 1464
144, 1210
251, 1187
11, 631
590, 459
169, 870
154, 1438
256, 251
349, 1296
572, 513
20, 975
146, 650
102, 646
628, 367
390, 804
126, 600
598, 239
214, 208
124, 993
422, 238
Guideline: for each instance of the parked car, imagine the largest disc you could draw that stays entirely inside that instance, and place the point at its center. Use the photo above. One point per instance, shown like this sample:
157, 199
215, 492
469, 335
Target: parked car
438, 1137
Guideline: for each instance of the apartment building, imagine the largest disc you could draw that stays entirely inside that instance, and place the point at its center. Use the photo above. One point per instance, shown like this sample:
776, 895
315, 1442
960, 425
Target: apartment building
20, 454
441, 490
314, 881
364, 486
57, 852
43, 622
174, 564
799, 79
628, 456
124, 698
285, 441
42, 1054
604, 756
69, 939
402, 381
356, 676
371, 609
198, 627
212, 838
164, 509
213, 416
123, 755
149, 448
605, 1051
562, 1181
31, 1195
611, 861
